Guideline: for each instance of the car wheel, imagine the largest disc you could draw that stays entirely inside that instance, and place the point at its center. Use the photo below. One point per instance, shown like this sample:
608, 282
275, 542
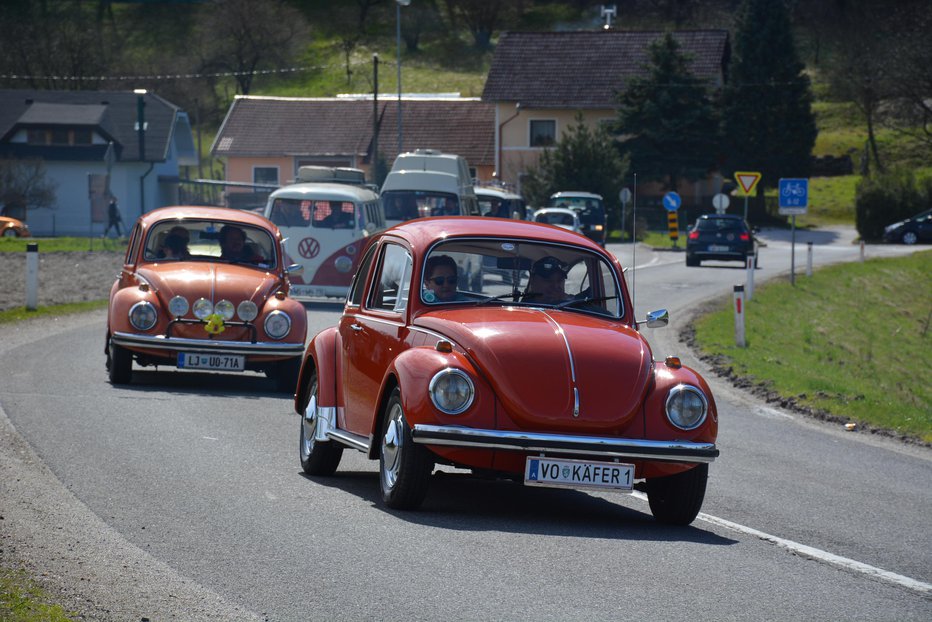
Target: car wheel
9, 233
692, 262
317, 457
676, 499
404, 468
119, 364
286, 375
910, 237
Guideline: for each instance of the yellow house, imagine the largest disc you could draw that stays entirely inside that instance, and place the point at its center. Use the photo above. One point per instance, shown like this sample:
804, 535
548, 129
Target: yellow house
538, 82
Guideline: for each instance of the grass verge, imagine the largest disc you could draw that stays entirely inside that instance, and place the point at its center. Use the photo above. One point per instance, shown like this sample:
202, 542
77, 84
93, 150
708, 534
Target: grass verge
22, 600
64, 244
18, 314
851, 343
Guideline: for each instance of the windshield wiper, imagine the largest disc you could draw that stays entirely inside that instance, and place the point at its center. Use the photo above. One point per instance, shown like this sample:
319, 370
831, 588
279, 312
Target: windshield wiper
574, 301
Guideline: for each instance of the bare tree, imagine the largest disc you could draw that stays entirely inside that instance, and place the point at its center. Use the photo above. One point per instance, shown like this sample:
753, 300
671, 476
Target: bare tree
247, 37
24, 186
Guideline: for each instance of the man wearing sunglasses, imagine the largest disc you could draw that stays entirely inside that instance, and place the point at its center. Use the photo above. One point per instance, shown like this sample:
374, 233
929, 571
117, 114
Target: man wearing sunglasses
440, 279
546, 282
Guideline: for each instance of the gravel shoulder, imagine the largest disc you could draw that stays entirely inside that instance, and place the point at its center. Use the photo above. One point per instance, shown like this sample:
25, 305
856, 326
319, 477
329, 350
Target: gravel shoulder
63, 277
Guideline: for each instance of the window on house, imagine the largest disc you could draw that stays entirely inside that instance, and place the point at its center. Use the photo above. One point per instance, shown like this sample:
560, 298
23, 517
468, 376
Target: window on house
265, 175
59, 136
82, 136
543, 133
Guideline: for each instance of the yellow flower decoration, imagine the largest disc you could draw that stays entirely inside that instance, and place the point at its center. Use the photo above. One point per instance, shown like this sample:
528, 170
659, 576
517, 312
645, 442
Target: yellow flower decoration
214, 324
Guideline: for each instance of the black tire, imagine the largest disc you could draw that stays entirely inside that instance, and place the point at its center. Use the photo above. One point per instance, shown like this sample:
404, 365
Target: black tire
317, 457
692, 262
119, 364
677, 499
286, 375
404, 467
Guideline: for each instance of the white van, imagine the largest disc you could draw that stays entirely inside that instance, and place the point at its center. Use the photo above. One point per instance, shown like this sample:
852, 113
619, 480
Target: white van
428, 183
325, 226
500, 203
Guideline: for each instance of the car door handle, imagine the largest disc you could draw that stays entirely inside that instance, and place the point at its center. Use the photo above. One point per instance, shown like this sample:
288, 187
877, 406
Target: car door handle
356, 327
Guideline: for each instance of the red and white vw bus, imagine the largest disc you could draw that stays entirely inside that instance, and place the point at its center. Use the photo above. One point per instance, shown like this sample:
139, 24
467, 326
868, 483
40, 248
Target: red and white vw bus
325, 226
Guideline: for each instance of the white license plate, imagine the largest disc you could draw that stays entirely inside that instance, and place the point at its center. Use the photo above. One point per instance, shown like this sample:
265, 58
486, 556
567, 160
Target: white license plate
307, 291
223, 362
718, 248
578, 474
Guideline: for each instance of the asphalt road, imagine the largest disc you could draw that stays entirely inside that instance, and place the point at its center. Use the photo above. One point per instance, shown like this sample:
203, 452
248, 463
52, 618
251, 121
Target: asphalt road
200, 473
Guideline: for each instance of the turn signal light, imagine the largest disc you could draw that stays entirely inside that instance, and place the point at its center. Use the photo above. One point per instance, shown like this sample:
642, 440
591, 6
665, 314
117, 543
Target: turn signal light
673, 362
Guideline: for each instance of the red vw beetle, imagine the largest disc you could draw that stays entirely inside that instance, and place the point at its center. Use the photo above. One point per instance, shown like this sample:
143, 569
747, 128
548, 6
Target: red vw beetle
503, 346
205, 288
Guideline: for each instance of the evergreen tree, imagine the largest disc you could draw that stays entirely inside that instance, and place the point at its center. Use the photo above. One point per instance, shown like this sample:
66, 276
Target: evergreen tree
666, 119
583, 159
768, 124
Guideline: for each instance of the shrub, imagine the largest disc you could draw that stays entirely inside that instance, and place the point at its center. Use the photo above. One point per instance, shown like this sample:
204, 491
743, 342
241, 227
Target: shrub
887, 198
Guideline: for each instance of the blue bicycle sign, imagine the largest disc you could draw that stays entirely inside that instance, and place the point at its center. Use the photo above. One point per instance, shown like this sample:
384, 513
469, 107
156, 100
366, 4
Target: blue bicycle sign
794, 196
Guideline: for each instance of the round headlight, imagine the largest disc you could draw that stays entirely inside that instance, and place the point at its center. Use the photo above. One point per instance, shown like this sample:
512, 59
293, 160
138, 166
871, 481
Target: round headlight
247, 310
178, 306
143, 315
224, 309
202, 308
686, 407
277, 324
451, 391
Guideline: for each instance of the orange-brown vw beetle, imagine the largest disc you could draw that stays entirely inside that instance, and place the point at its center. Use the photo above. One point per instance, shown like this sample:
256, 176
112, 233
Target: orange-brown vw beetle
205, 288
503, 346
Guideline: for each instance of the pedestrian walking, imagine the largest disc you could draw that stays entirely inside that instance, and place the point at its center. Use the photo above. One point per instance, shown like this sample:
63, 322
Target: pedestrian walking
114, 220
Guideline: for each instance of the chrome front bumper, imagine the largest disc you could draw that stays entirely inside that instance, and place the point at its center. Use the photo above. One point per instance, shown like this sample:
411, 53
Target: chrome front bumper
211, 346
664, 451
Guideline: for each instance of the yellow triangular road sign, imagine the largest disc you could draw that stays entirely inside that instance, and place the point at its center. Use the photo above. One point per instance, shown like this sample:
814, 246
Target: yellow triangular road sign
747, 180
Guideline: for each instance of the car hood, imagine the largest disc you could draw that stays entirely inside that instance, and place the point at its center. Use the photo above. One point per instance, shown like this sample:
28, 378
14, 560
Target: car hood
540, 362
214, 281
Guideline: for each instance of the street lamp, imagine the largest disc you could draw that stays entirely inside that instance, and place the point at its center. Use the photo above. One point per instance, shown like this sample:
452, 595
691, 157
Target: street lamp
398, 5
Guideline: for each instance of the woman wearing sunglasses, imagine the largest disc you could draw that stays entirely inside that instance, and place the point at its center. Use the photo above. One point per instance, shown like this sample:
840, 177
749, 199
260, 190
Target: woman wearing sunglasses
440, 279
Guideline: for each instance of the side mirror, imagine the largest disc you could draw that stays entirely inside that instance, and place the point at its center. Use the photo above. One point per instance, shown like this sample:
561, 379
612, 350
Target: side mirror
658, 318
294, 269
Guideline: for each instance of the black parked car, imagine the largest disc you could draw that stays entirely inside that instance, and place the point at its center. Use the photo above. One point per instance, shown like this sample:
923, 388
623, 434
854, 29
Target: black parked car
912, 230
725, 237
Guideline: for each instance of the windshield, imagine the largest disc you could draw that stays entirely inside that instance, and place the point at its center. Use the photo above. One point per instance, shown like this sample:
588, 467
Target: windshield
210, 240
316, 213
590, 210
507, 272
409, 204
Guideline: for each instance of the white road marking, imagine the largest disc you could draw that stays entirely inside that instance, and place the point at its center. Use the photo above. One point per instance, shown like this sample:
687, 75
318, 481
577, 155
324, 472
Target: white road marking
923, 589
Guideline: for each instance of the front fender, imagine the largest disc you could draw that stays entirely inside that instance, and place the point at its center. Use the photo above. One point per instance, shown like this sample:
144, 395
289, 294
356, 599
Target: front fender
122, 301
320, 357
657, 426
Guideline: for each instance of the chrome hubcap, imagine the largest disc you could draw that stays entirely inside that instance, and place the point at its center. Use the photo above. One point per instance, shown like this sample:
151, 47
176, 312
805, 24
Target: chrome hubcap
391, 448
309, 425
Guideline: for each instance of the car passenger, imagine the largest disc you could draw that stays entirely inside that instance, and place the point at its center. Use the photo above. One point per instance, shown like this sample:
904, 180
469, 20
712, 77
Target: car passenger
440, 279
233, 246
547, 282
175, 245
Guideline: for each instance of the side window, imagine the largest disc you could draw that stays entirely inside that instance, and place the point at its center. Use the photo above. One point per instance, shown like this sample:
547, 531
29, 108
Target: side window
543, 133
359, 281
390, 290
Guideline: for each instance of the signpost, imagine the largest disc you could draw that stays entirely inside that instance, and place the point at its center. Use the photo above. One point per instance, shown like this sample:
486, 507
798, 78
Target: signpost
748, 181
672, 202
720, 202
794, 199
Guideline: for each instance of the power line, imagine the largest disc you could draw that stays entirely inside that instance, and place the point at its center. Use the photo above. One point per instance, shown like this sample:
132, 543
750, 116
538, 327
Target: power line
187, 76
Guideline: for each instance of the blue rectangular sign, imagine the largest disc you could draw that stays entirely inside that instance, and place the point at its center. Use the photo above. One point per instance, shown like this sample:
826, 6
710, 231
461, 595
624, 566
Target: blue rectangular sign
794, 194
